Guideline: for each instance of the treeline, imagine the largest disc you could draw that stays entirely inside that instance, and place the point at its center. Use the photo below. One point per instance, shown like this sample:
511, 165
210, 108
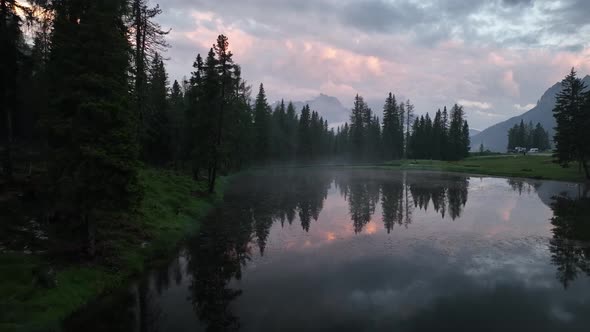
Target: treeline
88, 103
402, 134
527, 136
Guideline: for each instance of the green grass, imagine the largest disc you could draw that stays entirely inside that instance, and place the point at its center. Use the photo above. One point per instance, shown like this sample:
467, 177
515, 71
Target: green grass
531, 166
167, 214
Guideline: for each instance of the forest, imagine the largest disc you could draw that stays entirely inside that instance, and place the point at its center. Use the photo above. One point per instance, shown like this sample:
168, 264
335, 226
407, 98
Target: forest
527, 136
87, 102
94, 131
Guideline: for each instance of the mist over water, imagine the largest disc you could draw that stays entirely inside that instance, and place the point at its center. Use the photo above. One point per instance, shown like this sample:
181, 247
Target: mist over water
358, 250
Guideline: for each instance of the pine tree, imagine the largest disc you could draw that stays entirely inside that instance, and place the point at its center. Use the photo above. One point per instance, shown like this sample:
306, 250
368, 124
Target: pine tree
465, 140
177, 106
148, 40
437, 136
304, 146
156, 135
10, 36
92, 130
225, 71
456, 142
572, 114
262, 125
392, 137
198, 121
444, 137
291, 131
408, 110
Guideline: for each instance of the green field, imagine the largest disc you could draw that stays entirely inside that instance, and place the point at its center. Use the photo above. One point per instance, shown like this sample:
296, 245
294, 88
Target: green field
168, 213
530, 166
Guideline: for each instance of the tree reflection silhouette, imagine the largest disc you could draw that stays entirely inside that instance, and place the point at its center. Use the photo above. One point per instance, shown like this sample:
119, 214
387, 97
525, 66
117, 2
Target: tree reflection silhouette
214, 259
570, 245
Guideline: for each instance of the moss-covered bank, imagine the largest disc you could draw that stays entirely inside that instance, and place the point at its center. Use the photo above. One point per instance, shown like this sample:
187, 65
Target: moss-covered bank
171, 209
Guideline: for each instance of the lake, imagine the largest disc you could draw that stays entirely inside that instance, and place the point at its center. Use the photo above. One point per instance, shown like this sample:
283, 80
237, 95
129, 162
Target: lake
371, 250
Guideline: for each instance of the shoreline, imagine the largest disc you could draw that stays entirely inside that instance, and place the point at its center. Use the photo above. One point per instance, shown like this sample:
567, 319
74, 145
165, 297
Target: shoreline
169, 212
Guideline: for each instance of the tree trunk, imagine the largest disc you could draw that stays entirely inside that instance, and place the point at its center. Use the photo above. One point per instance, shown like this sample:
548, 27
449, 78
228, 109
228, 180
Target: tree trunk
586, 170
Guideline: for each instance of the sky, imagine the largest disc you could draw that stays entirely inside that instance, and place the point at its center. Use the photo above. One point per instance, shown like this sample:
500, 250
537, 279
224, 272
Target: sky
495, 57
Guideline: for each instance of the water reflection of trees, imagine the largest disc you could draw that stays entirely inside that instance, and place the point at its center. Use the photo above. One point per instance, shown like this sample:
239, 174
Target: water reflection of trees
399, 195
280, 197
570, 245
214, 259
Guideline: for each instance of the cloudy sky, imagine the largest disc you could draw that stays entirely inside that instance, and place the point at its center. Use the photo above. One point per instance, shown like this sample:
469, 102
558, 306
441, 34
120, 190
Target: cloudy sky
496, 57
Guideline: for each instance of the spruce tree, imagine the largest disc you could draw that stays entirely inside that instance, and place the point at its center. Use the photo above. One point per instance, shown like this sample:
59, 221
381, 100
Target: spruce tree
225, 71
156, 135
392, 137
291, 133
437, 136
572, 114
456, 139
465, 140
10, 36
262, 125
408, 110
176, 102
304, 146
91, 128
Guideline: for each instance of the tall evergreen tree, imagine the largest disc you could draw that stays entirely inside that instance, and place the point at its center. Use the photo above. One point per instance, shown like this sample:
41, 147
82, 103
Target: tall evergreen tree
148, 40
465, 140
437, 136
572, 114
225, 71
91, 133
392, 137
305, 142
262, 125
408, 110
10, 36
456, 143
176, 102
156, 135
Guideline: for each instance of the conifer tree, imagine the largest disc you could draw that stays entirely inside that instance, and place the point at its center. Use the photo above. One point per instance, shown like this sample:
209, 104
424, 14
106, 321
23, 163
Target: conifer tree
408, 110
156, 135
91, 128
572, 114
304, 146
465, 140
176, 102
456, 141
10, 37
262, 125
392, 137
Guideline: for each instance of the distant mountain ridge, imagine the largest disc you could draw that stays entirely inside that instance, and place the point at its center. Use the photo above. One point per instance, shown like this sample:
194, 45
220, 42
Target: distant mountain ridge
473, 132
495, 137
330, 108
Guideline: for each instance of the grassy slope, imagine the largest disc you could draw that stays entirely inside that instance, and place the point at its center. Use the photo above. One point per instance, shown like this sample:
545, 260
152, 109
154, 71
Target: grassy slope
531, 166
168, 213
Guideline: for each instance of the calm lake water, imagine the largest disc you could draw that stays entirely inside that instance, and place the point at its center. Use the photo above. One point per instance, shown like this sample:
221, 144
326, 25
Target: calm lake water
358, 250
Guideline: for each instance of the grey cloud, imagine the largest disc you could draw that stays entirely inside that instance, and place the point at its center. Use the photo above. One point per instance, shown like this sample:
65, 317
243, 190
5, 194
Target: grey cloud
518, 2
406, 32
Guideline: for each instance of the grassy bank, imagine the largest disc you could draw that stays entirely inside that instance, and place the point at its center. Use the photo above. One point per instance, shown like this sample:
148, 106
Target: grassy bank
531, 166
168, 212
